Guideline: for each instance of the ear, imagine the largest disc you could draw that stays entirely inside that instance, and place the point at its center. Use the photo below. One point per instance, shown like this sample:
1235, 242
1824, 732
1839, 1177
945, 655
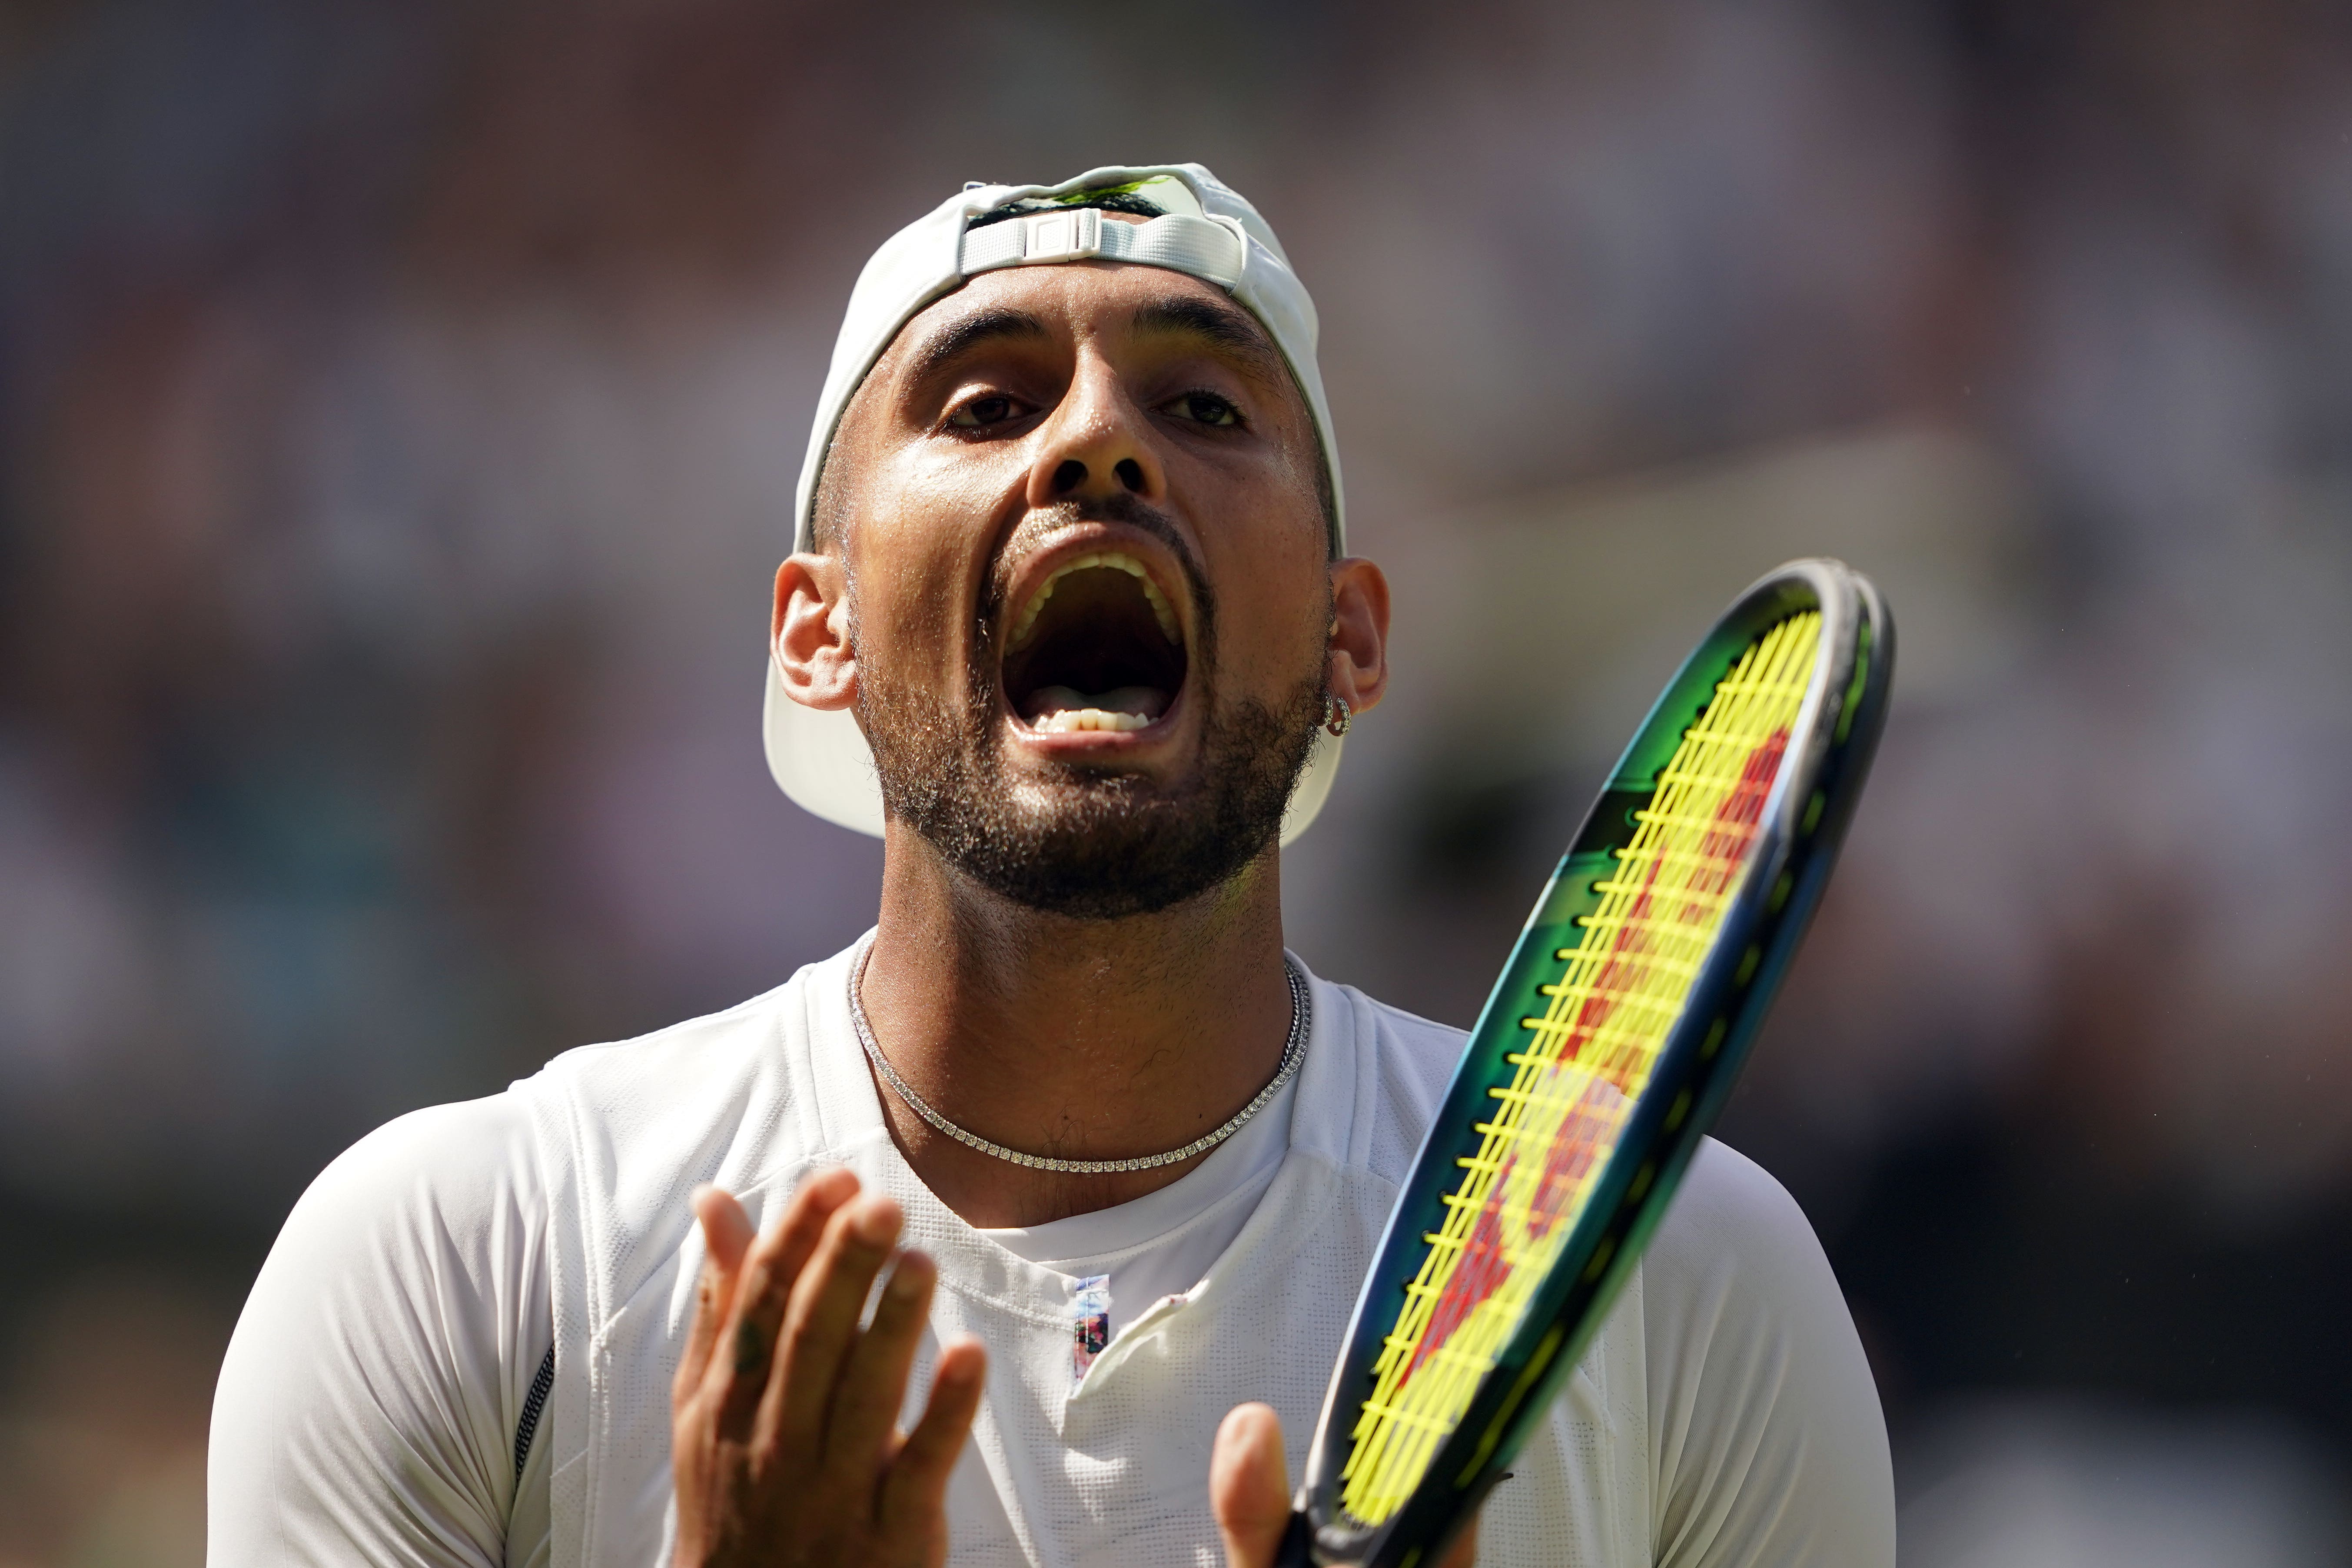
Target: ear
808, 636
1357, 664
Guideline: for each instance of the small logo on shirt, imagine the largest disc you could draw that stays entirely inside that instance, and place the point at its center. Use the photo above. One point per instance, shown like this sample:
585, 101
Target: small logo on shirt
1089, 1323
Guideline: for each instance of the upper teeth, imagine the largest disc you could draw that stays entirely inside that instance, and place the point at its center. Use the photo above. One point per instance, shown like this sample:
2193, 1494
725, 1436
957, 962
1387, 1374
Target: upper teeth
1027, 621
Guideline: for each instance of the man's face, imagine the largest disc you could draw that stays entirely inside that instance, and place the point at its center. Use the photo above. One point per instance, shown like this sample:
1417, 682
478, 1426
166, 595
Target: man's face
1088, 583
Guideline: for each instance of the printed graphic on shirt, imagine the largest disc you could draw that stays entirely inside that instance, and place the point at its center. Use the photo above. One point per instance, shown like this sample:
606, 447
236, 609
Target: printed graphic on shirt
1089, 1323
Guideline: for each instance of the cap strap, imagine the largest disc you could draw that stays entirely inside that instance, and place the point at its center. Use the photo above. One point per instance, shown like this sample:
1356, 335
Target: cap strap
1201, 247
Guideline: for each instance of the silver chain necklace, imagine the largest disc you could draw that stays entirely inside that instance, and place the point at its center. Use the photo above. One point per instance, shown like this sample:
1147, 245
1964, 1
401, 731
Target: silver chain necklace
1294, 1052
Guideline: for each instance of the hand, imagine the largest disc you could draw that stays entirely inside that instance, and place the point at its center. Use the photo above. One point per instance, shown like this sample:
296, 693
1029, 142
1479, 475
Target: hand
1249, 1491
784, 1419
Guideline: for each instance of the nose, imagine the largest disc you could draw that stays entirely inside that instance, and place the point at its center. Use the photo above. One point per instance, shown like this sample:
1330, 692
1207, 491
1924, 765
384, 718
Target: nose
1096, 444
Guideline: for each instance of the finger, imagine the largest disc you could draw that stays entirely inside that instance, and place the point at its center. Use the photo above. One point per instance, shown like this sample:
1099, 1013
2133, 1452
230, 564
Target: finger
727, 1236
1465, 1554
1249, 1486
916, 1488
727, 1230
763, 1295
865, 1414
822, 1320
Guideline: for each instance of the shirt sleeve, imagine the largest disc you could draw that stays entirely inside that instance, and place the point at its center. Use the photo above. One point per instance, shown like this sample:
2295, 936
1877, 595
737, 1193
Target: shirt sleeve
1767, 1446
368, 1404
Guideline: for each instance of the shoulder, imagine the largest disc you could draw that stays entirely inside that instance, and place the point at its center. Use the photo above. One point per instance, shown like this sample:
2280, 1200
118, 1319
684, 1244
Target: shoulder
747, 1099
457, 1182
457, 1171
367, 1394
700, 1053
419, 1249
1736, 1272
654, 1105
1732, 1218
1410, 1061
1764, 1419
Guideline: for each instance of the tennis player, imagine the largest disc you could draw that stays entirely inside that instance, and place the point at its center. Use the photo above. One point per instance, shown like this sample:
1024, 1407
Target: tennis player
964, 1244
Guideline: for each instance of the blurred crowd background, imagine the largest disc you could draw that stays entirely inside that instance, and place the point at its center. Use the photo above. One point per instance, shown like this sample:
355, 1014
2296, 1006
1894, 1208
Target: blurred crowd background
399, 404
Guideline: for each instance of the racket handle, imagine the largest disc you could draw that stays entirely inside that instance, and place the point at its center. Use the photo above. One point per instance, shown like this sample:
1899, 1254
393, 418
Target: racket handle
1297, 1541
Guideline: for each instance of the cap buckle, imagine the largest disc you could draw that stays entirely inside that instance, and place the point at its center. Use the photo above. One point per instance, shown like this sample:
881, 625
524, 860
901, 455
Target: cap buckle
1062, 236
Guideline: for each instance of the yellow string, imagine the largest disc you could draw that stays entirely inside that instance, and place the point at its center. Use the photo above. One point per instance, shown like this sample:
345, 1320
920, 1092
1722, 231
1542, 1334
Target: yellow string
1587, 1061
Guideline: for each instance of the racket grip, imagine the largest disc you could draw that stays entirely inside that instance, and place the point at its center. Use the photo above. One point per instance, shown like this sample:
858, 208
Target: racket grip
1297, 1544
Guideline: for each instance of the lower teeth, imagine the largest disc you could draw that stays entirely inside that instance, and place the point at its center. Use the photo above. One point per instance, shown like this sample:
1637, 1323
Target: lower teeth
1060, 711
1070, 719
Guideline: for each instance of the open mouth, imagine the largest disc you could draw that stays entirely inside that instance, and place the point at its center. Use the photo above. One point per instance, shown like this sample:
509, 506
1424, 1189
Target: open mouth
1096, 647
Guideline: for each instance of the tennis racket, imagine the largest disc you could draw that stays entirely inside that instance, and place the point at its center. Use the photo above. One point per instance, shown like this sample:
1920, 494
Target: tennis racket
1608, 1046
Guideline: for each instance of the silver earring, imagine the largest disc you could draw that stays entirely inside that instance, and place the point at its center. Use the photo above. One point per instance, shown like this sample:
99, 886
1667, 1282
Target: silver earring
1336, 715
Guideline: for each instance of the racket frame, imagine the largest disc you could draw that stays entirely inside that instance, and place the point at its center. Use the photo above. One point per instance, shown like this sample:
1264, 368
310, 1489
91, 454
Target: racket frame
1788, 862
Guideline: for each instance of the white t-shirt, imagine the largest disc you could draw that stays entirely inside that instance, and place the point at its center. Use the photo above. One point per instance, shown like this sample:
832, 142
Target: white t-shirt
369, 1405
1127, 1258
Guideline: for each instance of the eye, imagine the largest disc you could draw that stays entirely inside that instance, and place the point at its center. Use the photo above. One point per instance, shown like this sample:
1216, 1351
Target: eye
991, 408
1202, 409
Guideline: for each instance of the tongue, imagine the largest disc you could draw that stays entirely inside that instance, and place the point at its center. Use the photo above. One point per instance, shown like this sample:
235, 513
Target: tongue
1056, 709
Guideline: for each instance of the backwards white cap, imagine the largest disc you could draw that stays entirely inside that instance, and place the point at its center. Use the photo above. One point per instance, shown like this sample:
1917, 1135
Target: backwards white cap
1207, 230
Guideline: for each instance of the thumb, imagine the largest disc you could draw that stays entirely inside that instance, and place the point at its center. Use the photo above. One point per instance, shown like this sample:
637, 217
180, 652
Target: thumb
1249, 1487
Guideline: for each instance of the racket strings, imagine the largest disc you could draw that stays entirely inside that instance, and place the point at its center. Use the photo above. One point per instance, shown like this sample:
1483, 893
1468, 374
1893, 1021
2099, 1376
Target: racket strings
1587, 1061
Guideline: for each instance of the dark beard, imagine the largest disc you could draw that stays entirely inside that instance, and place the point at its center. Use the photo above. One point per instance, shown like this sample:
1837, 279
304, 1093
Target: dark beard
1086, 844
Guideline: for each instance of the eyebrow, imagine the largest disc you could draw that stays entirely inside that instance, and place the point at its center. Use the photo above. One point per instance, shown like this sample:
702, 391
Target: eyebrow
1219, 326
994, 324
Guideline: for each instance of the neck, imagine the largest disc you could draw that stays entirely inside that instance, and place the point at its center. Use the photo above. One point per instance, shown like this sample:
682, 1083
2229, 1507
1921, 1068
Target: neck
1075, 1039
